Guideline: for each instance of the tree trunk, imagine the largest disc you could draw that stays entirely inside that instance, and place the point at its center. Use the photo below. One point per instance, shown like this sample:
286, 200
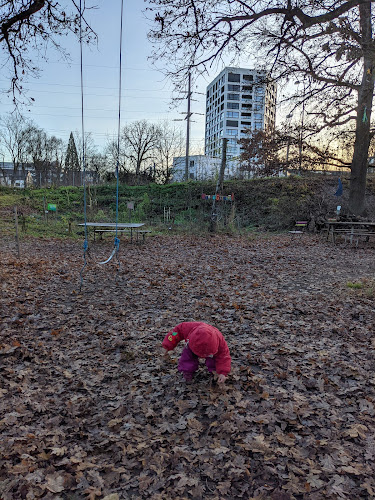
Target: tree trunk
357, 201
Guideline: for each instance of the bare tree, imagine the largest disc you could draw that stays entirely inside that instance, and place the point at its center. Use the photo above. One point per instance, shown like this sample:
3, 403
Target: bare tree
56, 152
264, 154
13, 133
97, 166
169, 145
327, 46
29, 26
94, 162
139, 141
44, 154
114, 157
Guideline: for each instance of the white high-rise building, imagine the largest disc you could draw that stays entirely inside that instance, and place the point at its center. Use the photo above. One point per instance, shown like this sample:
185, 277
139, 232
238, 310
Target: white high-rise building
238, 99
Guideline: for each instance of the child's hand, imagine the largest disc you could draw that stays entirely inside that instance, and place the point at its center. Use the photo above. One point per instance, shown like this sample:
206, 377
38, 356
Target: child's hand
163, 351
221, 379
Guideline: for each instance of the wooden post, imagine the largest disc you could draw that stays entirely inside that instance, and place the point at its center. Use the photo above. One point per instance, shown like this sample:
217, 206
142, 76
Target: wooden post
16, 224
219, 185
44, 208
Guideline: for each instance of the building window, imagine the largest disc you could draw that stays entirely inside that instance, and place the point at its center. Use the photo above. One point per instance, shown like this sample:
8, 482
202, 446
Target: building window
236, 88
247, 106
246, 88
246, 114
245, 123
233, 97
233, 105
247, 96
232, 123
248, 78
231, 131
232, 114
232, 77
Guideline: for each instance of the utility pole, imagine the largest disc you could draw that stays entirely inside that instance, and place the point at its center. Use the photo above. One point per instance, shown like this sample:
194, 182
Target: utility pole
188, 129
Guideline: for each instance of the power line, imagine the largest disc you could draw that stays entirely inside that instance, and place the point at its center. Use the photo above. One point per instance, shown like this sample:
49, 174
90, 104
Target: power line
166, 113
86, 86
112, 67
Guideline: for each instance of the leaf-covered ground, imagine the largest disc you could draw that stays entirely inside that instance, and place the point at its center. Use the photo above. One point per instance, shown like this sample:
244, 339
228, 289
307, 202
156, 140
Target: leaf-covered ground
89, 410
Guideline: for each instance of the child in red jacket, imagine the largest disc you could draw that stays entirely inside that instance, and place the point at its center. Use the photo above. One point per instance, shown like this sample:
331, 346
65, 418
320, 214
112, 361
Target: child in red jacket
202, 341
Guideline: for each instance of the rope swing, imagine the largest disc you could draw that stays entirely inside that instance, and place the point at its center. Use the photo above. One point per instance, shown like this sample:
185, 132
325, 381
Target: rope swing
115, 250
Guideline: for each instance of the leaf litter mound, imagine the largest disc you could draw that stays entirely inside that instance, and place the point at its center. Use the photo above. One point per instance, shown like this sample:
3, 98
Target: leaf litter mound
90, 410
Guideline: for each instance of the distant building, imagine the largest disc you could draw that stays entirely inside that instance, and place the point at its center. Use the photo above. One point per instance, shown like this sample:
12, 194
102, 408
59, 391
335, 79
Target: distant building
27, 176
20, 179
201, 167
236, 100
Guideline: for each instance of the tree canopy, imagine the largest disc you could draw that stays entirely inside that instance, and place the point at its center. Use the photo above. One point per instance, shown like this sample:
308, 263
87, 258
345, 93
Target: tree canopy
327, 47
31, 26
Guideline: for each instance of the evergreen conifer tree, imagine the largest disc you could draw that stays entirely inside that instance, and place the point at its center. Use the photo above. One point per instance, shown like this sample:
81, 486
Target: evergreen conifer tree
72, 167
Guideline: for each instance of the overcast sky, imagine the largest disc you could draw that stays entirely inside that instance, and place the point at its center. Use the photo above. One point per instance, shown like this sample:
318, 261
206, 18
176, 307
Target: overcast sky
146, 93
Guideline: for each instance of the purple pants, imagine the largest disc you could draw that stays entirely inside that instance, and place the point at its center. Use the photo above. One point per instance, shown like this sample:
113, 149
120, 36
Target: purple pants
189, 363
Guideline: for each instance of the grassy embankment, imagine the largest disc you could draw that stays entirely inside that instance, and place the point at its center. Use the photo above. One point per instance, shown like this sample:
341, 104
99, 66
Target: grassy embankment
260, 205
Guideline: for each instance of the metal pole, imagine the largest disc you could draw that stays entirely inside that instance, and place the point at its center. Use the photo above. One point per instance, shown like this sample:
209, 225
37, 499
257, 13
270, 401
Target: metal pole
188, 129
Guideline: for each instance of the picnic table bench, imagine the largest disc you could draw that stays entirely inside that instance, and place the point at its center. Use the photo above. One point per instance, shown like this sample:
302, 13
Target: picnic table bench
351, 230
122, 227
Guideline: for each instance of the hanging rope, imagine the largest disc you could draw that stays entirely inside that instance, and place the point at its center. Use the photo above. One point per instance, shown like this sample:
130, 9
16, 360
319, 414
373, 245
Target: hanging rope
117, 240
86, 242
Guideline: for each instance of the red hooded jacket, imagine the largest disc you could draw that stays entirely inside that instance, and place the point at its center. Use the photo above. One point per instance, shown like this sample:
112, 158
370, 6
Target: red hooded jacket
204, 340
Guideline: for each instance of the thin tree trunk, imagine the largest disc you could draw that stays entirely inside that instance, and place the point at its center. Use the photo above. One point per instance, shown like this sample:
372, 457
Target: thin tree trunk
357, 201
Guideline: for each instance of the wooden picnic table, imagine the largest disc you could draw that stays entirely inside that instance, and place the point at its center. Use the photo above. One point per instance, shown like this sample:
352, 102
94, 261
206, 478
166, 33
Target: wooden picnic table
349, 229
100, 227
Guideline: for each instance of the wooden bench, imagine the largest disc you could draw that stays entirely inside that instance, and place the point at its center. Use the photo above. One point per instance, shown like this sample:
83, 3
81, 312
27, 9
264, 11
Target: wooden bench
300, 227
101, 231
137, 232
143, 233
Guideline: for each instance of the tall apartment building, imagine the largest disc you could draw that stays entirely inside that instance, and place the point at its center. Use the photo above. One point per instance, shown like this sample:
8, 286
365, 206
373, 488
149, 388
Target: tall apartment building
238, 99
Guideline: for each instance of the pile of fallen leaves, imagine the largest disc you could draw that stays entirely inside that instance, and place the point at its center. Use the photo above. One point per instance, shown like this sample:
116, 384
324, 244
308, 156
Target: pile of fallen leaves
89, 409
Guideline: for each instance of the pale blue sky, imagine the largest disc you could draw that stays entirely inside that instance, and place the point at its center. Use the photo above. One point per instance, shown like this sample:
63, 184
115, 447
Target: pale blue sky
146, 93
